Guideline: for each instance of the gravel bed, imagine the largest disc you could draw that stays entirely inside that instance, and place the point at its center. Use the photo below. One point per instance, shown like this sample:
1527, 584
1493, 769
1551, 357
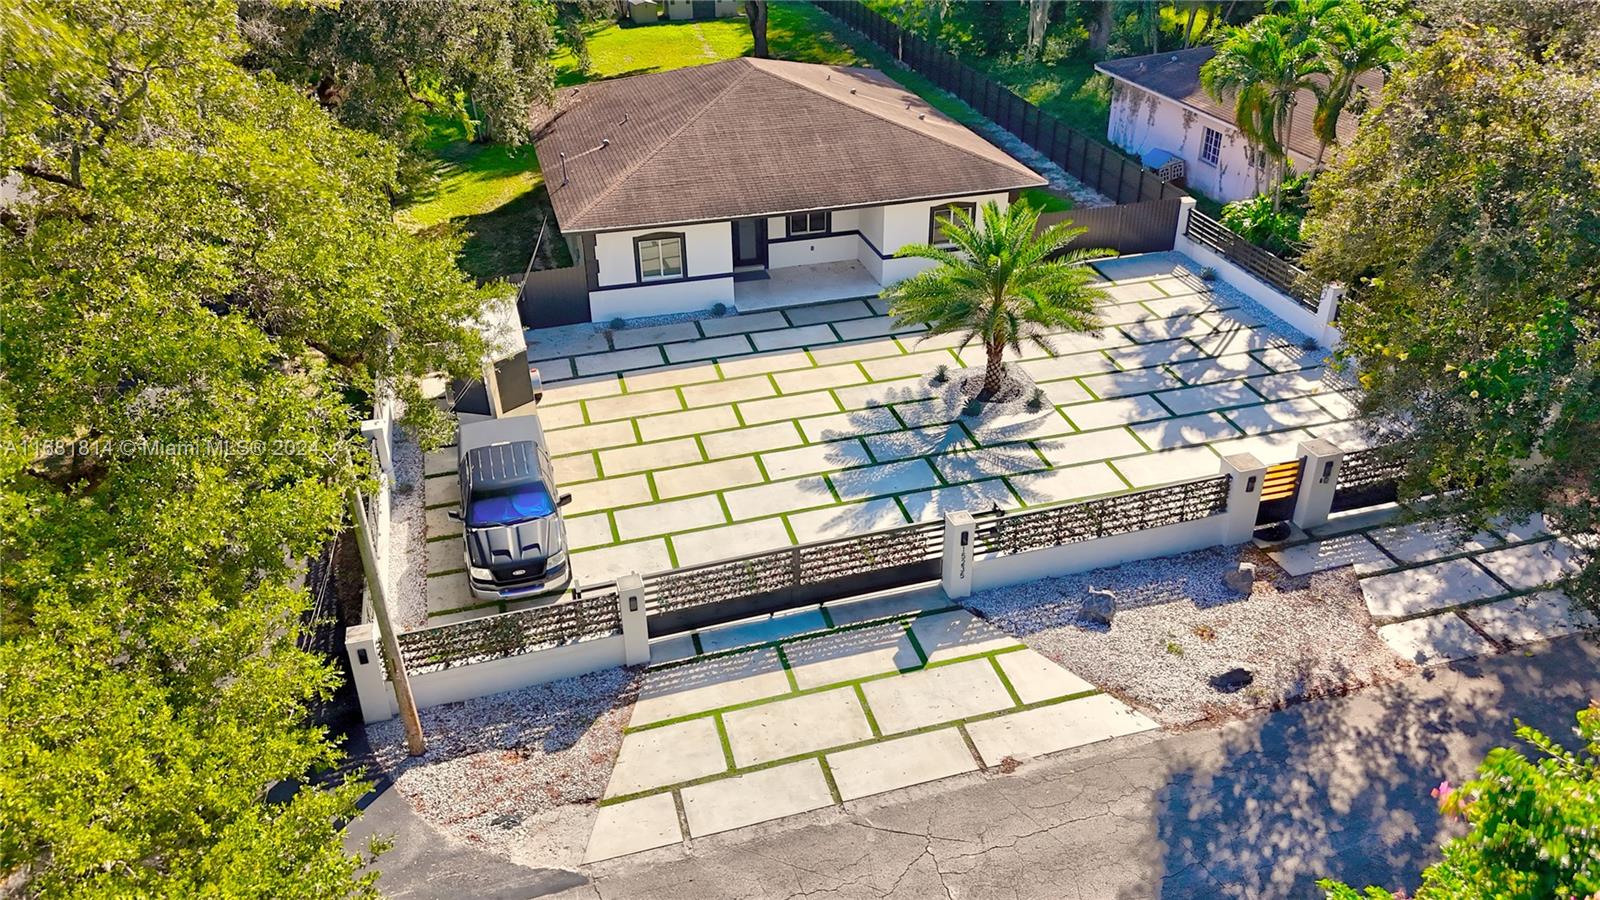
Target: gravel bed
1178, 625
515, 773
408, 536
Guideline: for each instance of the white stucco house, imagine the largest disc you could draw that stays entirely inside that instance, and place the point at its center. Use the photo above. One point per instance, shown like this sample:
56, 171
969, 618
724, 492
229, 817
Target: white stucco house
755, 184
1159, 112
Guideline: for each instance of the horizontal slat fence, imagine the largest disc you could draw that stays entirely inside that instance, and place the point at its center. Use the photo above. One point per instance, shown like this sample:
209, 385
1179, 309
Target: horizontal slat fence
595, 614
1098, 165
1286, 277
1368, 478
1108, 516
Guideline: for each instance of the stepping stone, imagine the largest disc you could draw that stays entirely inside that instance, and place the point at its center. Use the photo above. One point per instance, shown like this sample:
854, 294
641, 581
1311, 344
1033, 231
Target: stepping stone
670, 754
743, 539
890, 765
827, 312
581, 389
1289, 384
1422, 541
1120, 384
1282, 447
760, 796
633, 827
763, 363
565, 340
850, 424
1185, 431
855, 350
566, 415
576, 468
778, 497
448, 556
917, 363
629, 406
846, 520
815, 458
441, 491
977, 496
1071, 483
1412, 591
1530, 565
591, 437
853, 611
712, 476
604, 564
654, 334
793, 406
935, 696
1020, 427
1434, 639
1527, 529
1036, 679
744, 323
819, 379
708, 348
1278, 416
449, 592
957, 633
875, 327
751, 388
644, 457
1060, 726
709, 684
751, 440
439, 524
1331, 553
918, 442
889, 478
804, 724
1054, 371
593, 530
668, 516
692, 421
620, 360
609, 493
987, 462
669, 376
1221, 368
1542, 616
763, 630
1116, 411
1208, 397
850, 655
439, 462
793, 337
1169, 466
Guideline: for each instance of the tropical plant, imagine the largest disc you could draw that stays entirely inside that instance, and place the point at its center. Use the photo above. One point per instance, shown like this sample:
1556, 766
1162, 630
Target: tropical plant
1002, 283
1533, 825
1265, 65
1355, 42
1277, 230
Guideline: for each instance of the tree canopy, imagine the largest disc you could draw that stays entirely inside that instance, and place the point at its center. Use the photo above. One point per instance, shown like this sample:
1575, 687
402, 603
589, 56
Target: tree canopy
201, 282
1465, 217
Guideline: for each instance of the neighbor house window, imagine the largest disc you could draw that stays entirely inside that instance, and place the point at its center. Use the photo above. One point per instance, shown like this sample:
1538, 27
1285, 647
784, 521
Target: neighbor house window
1211, 147
801, 224
660, 256
944, 216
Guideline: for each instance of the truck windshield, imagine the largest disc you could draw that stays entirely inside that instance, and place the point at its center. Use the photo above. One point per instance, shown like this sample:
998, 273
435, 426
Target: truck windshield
518, 504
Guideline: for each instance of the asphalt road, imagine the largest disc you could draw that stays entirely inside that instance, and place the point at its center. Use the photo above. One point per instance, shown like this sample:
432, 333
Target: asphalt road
1260, 808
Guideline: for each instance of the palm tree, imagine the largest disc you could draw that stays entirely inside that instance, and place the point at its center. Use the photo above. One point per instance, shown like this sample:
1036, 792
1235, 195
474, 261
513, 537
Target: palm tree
1355, 42
1266, 64
1002, 284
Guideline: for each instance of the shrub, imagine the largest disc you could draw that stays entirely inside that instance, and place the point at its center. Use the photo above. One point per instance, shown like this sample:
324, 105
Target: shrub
941, 374
618, 324
1208, 274
719, 309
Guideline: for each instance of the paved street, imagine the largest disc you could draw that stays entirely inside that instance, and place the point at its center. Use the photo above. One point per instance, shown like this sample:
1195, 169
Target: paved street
1256, 809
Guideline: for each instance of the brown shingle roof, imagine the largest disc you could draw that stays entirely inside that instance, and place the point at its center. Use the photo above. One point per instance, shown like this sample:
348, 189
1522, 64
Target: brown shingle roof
1176, 75
753, 137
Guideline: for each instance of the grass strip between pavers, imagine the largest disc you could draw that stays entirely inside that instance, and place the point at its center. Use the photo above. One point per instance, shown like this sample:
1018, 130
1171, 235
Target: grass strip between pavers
821, 688
818, 755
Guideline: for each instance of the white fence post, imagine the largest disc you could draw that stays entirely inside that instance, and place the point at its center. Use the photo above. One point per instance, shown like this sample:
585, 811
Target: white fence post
1244, 496
960, 534
381, 432
635, 620
1327, 309
361, 644
1318, 481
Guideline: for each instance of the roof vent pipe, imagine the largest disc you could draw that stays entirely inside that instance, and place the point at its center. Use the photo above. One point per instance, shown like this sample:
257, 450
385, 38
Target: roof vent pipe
563, 169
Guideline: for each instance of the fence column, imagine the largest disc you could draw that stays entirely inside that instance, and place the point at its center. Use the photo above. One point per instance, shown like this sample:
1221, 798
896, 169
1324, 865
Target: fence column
366, 670
1327, 309
382, 436
960, 536
1244, 496
1185, 204
1318, 480
635, 620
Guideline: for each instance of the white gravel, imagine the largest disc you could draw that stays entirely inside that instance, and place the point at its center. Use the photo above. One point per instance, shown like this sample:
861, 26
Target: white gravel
515, 773
408, 535
1178, 624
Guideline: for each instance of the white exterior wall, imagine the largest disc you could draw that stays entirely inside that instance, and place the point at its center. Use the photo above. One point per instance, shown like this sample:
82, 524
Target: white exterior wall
660, 299
1142, 122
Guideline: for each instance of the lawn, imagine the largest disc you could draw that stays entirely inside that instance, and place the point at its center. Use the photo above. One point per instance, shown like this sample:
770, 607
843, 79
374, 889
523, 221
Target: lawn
1045, 201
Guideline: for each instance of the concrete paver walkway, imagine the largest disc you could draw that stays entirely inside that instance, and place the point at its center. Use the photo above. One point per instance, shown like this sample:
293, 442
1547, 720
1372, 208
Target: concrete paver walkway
835, 704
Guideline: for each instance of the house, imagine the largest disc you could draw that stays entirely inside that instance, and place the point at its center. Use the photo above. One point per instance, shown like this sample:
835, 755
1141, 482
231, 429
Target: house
755, 183
1160, 111
643, 12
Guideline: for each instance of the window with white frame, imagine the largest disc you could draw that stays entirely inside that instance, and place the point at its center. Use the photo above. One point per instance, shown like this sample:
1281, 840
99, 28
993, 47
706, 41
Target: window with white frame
942, 217
806, 223
660, 256
1211, 147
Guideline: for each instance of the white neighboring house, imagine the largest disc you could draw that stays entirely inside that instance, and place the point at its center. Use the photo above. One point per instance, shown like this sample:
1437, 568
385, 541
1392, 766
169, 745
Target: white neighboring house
755, 184
1160, 111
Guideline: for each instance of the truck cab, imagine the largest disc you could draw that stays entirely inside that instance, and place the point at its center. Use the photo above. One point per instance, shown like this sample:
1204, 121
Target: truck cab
516, 541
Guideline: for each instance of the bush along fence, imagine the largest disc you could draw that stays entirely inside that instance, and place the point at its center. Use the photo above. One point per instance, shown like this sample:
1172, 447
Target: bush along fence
612, 624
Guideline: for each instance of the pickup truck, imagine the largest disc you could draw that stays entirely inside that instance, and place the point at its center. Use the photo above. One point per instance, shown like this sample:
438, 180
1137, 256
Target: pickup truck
516, 542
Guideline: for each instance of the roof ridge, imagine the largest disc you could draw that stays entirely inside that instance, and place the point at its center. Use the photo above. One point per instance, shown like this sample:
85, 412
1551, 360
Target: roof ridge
622, 176
901, 125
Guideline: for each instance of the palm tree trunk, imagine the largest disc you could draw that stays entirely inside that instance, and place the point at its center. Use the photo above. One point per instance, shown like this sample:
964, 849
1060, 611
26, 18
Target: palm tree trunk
994, 370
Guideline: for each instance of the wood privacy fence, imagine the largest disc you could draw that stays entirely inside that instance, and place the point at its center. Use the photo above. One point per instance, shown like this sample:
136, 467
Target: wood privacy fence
1097, 165
554, 297
1146, 227
1286, 277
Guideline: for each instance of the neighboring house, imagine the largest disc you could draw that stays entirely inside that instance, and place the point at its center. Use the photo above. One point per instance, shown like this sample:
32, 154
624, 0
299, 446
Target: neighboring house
755, 183
1159, 111
642, 12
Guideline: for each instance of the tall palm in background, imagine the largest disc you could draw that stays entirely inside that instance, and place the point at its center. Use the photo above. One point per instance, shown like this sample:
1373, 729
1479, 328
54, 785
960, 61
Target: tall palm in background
1002, 284
1265, 65
1355, 43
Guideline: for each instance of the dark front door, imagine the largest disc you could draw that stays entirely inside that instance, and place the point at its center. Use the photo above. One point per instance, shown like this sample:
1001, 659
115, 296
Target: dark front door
705, 9
1279, 489
749, 242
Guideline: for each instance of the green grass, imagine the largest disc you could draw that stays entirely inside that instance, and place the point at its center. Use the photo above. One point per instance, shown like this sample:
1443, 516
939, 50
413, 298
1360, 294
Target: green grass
1045, 200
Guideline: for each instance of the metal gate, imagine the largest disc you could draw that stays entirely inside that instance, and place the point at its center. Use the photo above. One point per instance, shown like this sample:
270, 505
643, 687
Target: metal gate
1279, 488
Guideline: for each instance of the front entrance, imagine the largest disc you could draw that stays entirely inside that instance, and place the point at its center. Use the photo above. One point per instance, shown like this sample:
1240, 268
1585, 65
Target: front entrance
1279, 488
750, 243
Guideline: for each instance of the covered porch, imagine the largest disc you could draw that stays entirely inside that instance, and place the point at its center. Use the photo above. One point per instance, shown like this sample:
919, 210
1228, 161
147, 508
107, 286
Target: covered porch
800, 285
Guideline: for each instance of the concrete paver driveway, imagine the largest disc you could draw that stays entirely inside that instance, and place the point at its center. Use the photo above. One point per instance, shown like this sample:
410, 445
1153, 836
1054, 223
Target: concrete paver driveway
702, 440
832, 705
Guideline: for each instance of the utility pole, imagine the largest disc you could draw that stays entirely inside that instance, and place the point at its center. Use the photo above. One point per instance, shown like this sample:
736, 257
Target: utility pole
393, 662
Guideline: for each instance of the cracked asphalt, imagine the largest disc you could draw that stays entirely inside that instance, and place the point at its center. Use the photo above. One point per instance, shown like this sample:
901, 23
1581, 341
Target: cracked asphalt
1260, 808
